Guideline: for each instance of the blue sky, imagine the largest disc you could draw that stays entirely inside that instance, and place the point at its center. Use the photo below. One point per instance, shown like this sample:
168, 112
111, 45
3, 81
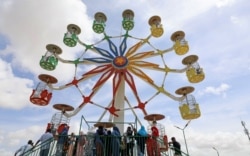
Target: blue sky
216, 30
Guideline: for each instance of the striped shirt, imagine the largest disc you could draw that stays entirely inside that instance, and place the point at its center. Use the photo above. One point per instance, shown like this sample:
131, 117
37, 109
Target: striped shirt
23, 149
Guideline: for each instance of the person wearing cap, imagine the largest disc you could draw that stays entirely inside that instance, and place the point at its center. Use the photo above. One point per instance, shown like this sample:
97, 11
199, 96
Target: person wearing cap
25, 148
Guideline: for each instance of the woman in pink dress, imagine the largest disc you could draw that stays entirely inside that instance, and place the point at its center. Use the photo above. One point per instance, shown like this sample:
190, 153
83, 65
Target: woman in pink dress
72, 140
80, 144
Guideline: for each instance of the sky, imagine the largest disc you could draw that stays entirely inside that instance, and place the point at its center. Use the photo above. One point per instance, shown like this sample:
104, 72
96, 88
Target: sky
216, 31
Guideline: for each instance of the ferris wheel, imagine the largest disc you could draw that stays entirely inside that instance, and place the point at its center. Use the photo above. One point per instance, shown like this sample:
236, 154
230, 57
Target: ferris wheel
123, 65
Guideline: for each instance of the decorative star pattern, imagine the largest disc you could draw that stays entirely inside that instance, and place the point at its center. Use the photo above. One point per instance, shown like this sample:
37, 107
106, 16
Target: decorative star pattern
120, 63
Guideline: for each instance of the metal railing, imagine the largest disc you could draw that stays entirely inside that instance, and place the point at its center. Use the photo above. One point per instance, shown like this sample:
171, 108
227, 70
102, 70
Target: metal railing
104, 148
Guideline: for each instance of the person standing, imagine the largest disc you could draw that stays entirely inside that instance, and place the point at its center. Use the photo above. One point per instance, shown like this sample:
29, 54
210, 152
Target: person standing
81, 140
116, 141
141, 137
24, 149
108, 143
62, 142
72, 141
176, 146
45, 140
129, 141
98, 140
153, 148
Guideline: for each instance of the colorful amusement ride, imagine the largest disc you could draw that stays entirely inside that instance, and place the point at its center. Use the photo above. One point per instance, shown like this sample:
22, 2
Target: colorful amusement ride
119, 61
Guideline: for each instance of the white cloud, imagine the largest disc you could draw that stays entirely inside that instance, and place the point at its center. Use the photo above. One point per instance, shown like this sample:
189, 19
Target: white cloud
30, 30
15, 90
223, 3
220, 90
242, 22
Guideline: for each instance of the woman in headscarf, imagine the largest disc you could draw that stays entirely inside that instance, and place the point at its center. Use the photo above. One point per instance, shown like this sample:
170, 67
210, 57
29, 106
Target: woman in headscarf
116, 141
99, 141
141, 137
153, 148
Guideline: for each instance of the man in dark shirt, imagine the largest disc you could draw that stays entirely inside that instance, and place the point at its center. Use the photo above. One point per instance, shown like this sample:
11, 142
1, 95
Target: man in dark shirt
177, 147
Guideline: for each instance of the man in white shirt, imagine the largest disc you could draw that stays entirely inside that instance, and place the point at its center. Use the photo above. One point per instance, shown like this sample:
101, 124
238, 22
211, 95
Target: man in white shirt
45, 142
23, 150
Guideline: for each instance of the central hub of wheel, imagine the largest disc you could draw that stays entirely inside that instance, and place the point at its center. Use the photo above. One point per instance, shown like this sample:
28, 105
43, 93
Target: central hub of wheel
120, 62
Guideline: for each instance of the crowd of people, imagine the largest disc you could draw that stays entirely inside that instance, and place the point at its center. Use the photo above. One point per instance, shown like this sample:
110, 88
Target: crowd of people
113, 143
106, 142
66, 145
